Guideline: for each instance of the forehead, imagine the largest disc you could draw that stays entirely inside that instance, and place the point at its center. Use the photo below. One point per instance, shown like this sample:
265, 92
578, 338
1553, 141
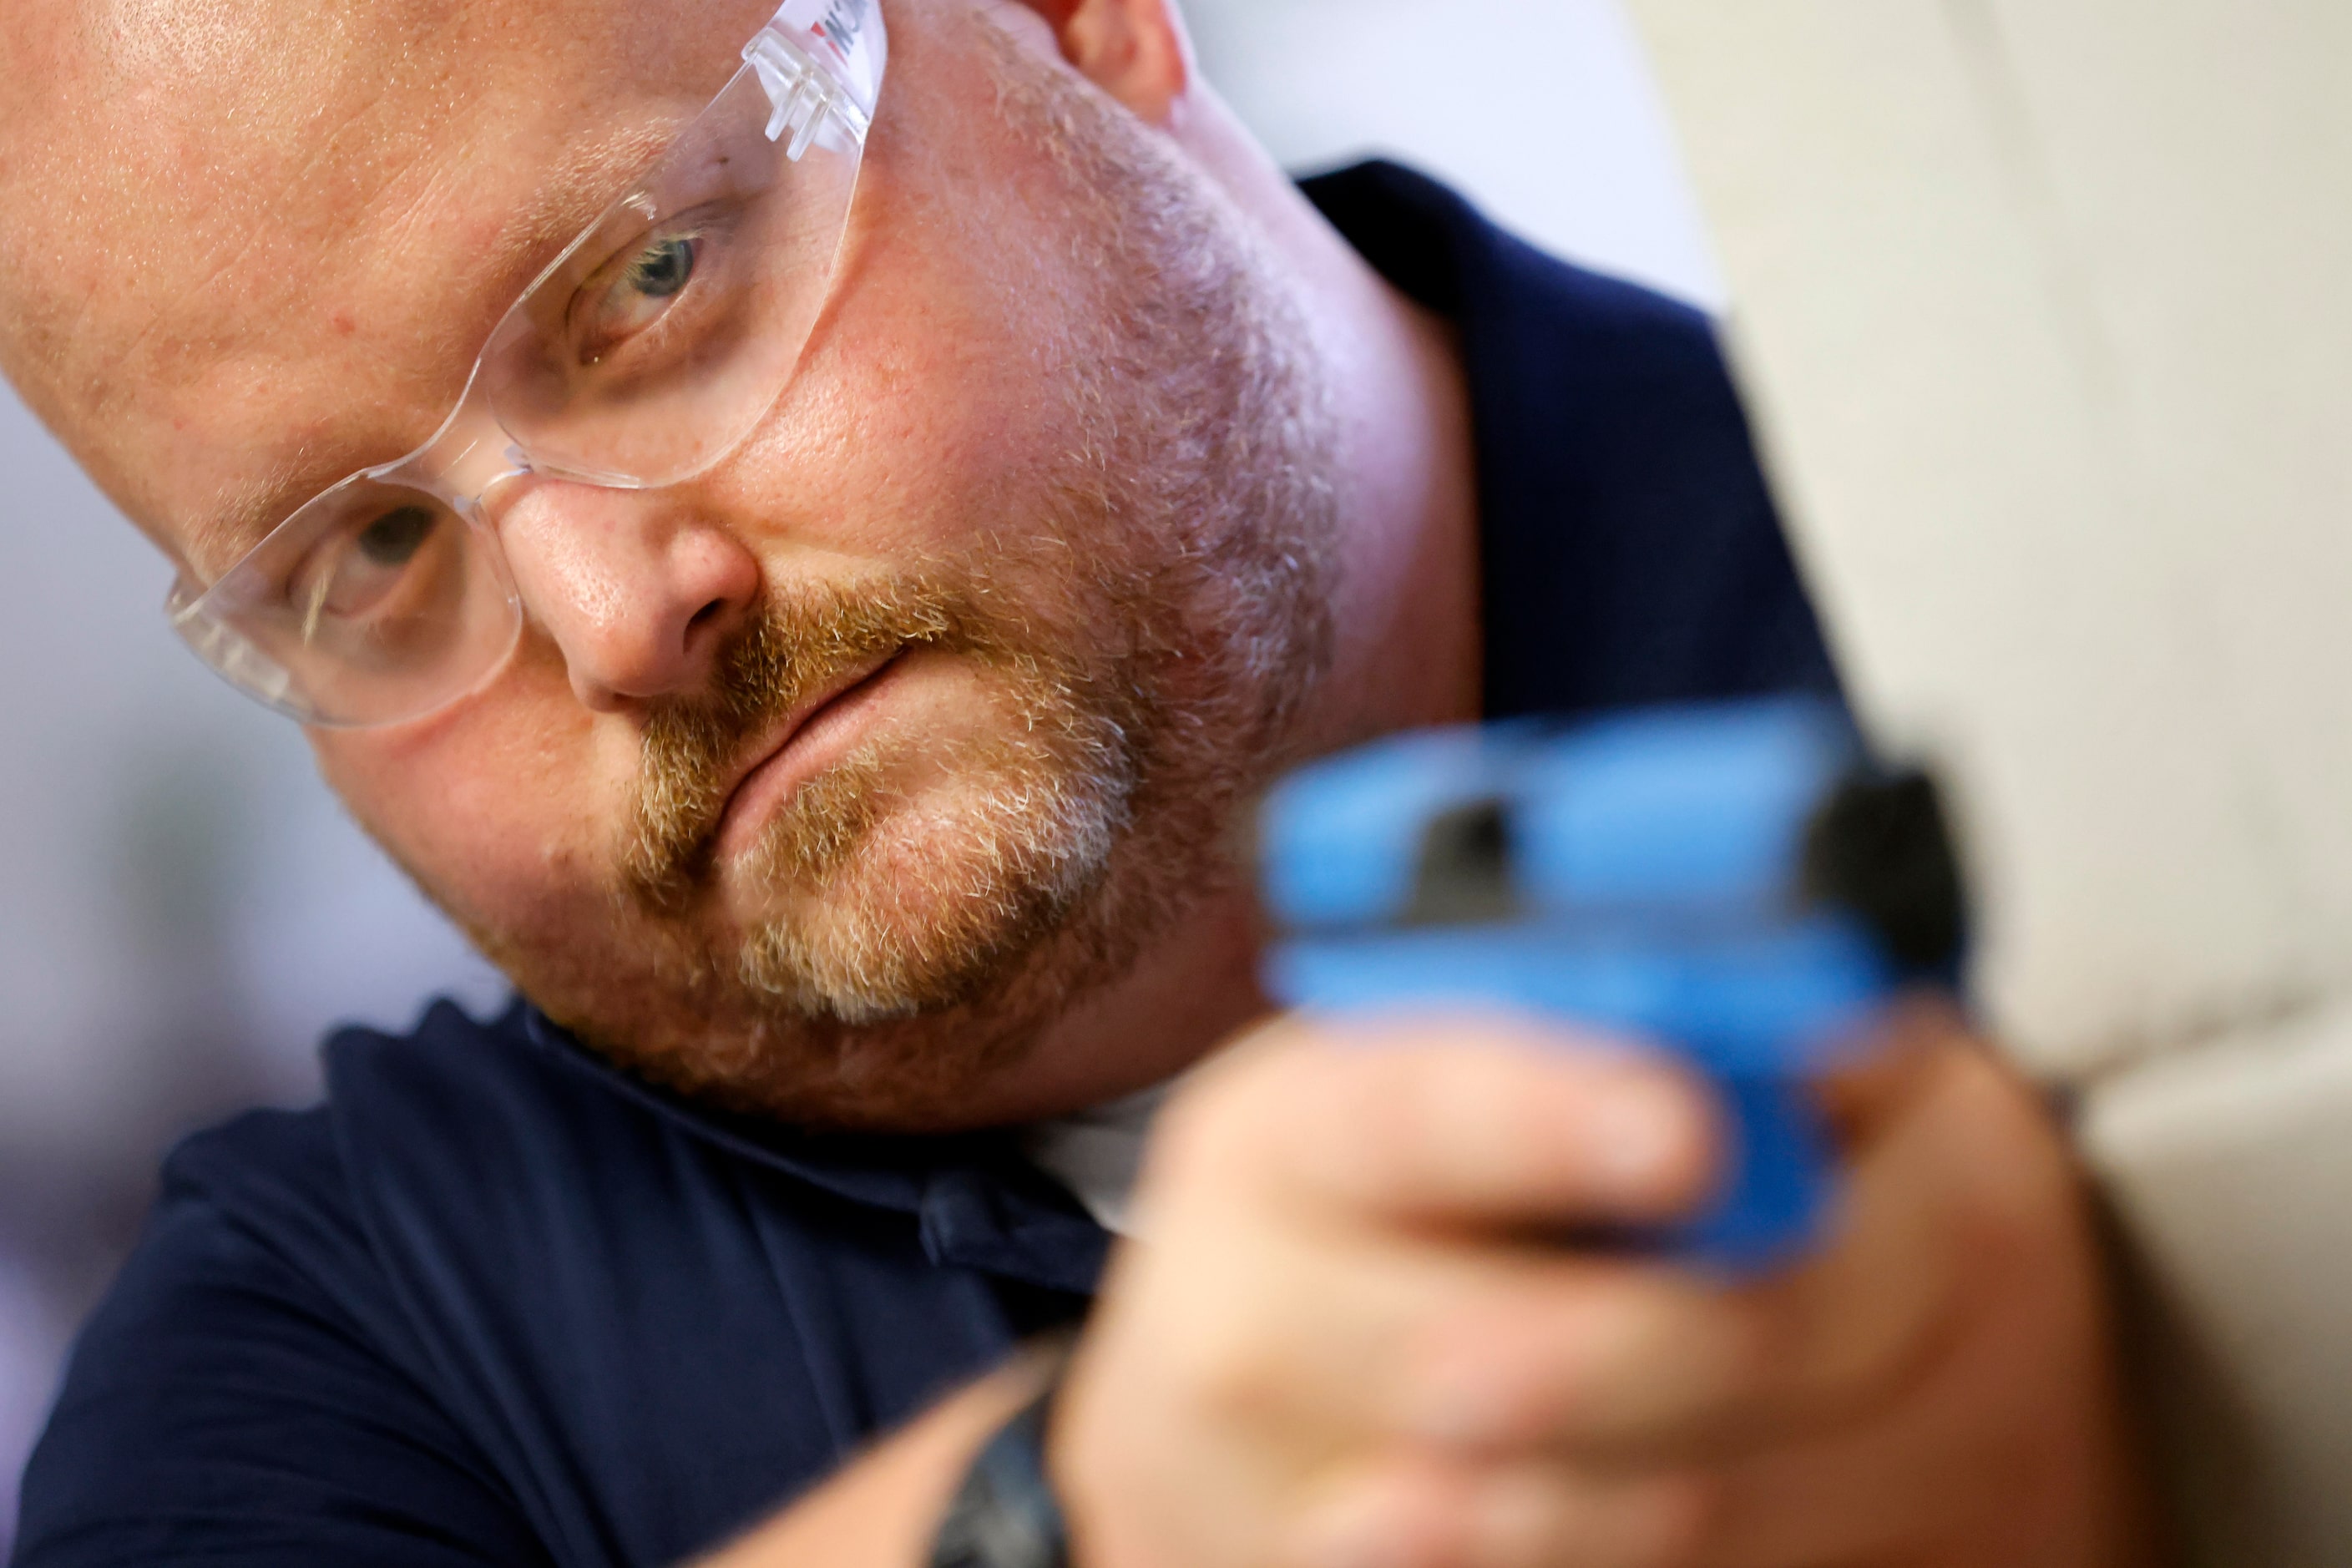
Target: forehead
308, 216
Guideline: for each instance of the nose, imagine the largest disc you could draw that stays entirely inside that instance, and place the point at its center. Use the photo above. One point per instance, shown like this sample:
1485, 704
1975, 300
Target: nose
637, 591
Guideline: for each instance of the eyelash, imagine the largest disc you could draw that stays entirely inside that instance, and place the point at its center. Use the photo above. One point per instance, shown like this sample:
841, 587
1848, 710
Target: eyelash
640, 268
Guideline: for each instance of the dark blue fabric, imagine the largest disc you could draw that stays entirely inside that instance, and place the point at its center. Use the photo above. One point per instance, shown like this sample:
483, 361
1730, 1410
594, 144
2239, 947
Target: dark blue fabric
495, 1302
1633, 554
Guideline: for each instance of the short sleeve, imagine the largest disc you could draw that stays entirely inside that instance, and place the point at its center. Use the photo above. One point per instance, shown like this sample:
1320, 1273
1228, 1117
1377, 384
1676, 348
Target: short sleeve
225, 1404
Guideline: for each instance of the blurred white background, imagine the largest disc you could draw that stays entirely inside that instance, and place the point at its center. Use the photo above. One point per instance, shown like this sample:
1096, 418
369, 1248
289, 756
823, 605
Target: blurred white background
184, 910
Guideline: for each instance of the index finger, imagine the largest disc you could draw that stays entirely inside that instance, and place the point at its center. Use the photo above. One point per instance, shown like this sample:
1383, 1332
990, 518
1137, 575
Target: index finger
1490, 1121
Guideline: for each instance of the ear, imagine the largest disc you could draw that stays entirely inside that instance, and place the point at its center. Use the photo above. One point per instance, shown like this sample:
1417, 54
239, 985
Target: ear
1136, 50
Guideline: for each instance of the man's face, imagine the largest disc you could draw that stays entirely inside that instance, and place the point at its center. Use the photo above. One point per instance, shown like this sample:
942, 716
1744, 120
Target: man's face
820, 782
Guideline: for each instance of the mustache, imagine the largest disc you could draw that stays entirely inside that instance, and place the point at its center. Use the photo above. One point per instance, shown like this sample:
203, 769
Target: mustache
797, 643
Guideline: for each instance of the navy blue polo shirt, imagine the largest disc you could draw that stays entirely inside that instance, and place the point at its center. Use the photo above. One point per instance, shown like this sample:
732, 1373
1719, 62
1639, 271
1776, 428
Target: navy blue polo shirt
494, 1301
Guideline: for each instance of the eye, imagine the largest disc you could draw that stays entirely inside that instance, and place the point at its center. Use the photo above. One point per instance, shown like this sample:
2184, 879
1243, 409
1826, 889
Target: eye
394, 538
662, 268
381, 566
629, 295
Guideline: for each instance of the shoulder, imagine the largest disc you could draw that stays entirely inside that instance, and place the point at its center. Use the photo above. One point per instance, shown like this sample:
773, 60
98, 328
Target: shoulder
1603, 375
1633, 553
236, 1377
488, 1303
277, 1374
1440, 251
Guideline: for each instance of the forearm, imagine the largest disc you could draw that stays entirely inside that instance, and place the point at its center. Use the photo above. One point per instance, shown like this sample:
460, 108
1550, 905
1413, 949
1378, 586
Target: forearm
883, 1510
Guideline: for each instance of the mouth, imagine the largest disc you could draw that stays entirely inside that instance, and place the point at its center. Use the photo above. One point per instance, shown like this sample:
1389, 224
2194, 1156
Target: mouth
818, 731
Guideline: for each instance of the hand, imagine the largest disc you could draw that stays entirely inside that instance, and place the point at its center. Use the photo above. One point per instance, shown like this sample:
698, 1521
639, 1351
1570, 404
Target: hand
1346, 1344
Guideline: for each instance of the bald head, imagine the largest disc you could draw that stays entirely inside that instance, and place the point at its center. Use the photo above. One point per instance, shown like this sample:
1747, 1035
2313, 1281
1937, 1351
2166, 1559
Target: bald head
142, 138
182, 178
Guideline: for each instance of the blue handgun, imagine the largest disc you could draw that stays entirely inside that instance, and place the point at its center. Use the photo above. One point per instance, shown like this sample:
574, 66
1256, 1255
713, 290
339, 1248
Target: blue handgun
1739, 883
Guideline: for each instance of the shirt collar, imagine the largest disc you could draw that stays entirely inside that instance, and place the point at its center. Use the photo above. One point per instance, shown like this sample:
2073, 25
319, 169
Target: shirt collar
977, 1203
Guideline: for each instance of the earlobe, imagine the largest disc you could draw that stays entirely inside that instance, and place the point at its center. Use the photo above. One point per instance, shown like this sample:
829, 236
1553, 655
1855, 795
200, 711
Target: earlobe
1136, 50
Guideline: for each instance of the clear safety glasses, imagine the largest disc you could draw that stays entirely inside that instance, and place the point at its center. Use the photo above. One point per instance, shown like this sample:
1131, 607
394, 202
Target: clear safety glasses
642, 356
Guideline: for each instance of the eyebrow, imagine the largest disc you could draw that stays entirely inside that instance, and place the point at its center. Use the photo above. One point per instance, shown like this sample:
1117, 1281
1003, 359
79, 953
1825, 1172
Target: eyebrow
595, 173
247, 513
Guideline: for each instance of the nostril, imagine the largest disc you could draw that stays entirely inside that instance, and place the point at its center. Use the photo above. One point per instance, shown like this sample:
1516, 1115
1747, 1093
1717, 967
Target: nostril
706, 615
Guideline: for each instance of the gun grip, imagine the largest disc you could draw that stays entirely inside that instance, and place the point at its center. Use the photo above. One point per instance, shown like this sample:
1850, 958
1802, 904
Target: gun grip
1778, 1177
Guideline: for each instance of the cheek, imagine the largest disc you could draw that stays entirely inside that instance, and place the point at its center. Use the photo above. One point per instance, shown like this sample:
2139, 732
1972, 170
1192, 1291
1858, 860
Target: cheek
935, 399
919, 421
502, 808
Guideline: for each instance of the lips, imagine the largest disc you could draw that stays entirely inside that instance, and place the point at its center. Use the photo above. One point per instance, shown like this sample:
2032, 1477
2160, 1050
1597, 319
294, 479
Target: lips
729, 827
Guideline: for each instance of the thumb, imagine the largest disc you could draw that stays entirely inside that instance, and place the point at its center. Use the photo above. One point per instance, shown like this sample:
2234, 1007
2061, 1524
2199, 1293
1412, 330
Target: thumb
1890, 1066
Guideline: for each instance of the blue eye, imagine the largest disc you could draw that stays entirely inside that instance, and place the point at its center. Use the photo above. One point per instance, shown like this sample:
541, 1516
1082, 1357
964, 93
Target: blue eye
630, 295
663, 268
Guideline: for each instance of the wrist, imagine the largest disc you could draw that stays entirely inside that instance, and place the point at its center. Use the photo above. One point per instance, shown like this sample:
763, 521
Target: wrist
1004, 1512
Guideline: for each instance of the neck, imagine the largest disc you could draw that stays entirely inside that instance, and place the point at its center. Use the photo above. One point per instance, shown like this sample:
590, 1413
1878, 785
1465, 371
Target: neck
1407, 649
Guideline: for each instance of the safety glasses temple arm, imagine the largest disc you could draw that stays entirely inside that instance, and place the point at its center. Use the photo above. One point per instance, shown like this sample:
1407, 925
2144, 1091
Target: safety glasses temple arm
815, 59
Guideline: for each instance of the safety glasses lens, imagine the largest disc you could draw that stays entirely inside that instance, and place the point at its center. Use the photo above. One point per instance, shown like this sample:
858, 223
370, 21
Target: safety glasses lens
376, 601
666, 333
